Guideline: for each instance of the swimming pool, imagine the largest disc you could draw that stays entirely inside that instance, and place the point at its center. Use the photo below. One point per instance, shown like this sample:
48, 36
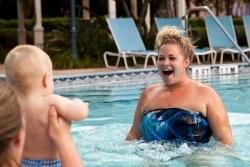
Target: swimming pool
100, 138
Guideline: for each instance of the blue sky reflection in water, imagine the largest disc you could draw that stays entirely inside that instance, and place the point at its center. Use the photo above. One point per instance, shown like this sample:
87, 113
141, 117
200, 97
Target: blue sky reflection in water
100, 138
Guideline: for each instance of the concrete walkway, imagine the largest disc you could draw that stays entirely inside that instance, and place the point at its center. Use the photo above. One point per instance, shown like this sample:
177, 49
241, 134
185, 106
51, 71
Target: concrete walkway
79, 71
94, 70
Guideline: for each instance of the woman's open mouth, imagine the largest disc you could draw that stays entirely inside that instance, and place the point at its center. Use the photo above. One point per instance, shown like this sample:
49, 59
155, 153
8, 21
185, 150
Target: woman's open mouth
167, 73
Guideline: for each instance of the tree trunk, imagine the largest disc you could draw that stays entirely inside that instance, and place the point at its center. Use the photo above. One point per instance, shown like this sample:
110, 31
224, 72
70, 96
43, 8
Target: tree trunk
125, 6
168, 8
141, 20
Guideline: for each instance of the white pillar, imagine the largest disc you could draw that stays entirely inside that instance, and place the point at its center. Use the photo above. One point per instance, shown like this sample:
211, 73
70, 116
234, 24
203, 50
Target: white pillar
147, 18
38, 29
21, 31
111, 9
181, 8
86, 14
134, 8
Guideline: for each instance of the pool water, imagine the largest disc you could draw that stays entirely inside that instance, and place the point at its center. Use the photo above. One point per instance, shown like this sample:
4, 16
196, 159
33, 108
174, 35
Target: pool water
100, 138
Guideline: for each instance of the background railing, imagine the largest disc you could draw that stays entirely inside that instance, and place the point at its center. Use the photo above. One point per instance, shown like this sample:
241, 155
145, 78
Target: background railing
207, 9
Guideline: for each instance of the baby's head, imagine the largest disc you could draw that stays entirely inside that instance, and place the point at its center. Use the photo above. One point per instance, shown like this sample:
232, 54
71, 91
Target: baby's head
25, 66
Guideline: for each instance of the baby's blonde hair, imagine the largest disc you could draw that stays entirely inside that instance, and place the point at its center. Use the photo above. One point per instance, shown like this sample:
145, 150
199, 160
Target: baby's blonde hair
24, 64
172, 35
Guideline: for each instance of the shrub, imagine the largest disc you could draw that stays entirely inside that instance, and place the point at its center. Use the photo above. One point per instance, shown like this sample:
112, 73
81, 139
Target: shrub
93, 39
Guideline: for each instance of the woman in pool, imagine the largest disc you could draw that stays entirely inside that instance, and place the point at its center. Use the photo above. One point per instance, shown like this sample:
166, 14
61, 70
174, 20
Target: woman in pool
12, 133
179, 108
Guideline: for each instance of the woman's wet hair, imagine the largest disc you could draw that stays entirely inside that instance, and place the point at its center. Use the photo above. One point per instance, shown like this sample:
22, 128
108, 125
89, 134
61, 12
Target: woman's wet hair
172, 35
10, 122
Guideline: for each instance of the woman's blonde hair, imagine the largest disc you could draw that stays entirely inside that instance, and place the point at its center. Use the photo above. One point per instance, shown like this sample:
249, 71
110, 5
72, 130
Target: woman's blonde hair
172, 35
10, 122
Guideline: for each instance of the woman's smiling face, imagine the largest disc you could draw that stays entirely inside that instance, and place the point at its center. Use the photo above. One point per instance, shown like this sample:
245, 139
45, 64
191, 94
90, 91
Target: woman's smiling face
172, 64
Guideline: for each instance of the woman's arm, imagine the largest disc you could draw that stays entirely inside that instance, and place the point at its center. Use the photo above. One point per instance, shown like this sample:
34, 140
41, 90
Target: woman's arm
135, 132
59, 131
218, 118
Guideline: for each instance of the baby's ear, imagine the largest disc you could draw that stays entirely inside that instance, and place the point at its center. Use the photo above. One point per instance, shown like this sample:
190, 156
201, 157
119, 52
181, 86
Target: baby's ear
46, 79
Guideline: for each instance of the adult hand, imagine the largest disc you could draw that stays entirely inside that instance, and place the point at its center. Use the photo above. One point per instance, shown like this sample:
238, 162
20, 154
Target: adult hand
59, 131
58, 127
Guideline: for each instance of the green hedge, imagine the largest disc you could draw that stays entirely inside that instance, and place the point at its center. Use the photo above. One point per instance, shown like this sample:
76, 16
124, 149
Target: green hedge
93, 39
49, 23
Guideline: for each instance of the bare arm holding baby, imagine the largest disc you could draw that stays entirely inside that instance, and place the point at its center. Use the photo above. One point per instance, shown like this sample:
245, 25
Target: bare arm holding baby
59, 131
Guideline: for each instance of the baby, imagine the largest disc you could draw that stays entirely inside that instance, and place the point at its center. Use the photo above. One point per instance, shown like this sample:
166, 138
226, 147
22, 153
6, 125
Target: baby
29, 71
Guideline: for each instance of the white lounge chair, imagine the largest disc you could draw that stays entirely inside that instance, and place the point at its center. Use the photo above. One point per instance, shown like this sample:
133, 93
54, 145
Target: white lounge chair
162, 22
217, 38
129, 43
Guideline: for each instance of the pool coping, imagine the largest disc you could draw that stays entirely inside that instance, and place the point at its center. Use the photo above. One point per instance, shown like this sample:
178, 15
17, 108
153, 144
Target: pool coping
100, 78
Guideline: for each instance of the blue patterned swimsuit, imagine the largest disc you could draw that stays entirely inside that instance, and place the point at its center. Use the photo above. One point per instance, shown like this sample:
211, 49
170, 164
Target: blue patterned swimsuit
28, 162
174, 124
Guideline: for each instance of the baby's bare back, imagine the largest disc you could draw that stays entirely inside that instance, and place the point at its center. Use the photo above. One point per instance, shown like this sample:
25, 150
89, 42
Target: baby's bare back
38, 144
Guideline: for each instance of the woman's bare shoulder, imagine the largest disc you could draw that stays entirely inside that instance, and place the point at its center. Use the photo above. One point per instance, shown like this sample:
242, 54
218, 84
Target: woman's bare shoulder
199, 85
204, 89
153, 87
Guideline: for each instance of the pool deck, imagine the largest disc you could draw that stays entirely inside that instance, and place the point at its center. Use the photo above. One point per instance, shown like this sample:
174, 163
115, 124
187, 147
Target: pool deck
77, 71
102, 70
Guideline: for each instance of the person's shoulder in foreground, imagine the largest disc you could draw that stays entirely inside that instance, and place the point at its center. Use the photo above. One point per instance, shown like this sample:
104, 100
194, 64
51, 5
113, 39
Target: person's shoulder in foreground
12, 127
179, 107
